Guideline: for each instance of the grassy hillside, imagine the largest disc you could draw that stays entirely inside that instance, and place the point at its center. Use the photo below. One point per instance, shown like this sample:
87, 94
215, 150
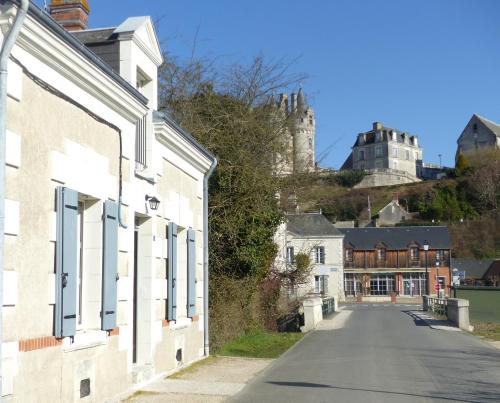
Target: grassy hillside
467, 201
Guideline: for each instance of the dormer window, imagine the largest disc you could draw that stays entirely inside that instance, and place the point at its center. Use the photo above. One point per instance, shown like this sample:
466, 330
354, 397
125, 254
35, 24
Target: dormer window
381, 254
349, 255
414, 253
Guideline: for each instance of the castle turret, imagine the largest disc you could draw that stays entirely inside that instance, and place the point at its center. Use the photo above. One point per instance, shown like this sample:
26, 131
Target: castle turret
303, 136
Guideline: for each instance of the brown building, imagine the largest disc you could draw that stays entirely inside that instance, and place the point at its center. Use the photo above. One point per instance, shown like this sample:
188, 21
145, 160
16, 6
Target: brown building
383, 261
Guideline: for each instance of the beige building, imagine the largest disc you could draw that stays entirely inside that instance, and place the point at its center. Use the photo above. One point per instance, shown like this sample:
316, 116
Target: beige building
479, 134
388, 155
104, 276
314, 235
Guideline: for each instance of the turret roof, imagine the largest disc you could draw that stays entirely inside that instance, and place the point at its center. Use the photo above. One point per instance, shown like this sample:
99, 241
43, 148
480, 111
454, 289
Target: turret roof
301, 101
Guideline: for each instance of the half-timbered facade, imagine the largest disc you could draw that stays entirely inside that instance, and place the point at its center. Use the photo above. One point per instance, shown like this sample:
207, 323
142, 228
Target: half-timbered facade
383, 261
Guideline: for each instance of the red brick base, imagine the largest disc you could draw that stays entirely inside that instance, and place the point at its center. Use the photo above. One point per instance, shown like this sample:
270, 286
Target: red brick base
39, 343
115, 331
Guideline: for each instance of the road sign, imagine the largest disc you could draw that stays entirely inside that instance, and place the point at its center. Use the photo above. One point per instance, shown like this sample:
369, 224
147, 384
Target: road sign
436, 287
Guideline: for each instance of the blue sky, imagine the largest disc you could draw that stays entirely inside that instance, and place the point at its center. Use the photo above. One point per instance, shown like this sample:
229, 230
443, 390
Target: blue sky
422, 66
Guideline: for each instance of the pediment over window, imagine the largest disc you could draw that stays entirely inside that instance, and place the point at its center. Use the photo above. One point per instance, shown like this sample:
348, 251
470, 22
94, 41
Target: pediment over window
413, 244
381, 245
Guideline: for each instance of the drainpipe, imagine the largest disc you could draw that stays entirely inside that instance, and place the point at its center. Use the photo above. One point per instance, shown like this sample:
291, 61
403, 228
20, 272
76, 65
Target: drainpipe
7, 45
206, 338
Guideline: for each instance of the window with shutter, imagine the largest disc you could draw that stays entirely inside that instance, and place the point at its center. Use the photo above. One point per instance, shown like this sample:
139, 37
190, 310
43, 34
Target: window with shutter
191, 273
66, 262
172, 272
109, 266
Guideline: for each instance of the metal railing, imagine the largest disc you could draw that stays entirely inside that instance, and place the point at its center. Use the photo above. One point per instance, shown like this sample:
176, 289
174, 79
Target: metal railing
328, 307
439, 306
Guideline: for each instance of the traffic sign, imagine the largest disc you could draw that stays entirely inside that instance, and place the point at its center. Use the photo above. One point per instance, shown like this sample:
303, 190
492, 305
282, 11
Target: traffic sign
436, 287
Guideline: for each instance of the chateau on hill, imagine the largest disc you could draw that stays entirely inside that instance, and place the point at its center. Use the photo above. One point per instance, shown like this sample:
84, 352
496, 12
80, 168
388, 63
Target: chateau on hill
390, 156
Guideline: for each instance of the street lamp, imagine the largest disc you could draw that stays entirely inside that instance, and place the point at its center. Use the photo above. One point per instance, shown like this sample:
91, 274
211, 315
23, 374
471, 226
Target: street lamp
437, 279
426, 249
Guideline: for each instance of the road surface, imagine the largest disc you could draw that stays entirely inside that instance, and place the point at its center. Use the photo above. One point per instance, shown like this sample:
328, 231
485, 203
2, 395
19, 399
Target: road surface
383, 353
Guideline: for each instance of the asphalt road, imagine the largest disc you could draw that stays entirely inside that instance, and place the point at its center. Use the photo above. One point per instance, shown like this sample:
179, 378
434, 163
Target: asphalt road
382, 354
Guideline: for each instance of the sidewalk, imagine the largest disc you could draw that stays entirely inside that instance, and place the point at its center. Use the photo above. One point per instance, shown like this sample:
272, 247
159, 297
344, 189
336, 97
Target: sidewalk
211, 382
432, 322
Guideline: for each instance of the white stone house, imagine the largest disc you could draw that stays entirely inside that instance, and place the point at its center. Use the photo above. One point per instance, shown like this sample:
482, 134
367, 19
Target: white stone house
313, 234
479, 134
393, 213
101, 291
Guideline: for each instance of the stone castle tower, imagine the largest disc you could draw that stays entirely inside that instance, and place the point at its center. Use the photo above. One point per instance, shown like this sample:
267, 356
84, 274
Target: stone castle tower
301, 134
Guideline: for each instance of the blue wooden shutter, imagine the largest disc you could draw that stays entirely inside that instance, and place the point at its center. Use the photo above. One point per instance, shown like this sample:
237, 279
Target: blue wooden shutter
172, 272
109, 265
191, 273
66, 261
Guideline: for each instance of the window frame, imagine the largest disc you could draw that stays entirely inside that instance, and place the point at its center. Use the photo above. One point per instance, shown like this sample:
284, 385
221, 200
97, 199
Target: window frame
412, 257
349, 255
290, 257
319, 255
381, 254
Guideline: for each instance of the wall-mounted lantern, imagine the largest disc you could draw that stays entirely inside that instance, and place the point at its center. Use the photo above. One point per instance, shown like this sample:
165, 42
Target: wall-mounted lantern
153, 202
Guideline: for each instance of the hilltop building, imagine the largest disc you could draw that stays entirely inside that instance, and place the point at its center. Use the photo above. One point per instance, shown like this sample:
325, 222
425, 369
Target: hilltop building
300, 135
479, 134
105, 284
390, 156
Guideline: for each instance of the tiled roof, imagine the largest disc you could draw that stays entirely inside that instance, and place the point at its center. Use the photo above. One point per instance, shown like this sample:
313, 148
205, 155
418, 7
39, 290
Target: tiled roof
494, 127
397, 237
311, 224
474, 268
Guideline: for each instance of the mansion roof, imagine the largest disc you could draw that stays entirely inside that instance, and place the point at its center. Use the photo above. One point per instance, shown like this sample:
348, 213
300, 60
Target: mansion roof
396, 238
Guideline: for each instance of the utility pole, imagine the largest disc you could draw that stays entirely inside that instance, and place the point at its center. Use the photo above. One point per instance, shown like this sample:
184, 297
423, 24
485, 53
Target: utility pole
440, 165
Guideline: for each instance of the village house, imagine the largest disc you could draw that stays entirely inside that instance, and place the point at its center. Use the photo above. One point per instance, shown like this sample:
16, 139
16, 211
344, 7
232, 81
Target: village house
312, 234
105, 273
393, 213
379, 262
479, 134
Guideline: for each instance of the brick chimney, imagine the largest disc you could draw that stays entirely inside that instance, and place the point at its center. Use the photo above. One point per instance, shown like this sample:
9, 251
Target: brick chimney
73, 15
